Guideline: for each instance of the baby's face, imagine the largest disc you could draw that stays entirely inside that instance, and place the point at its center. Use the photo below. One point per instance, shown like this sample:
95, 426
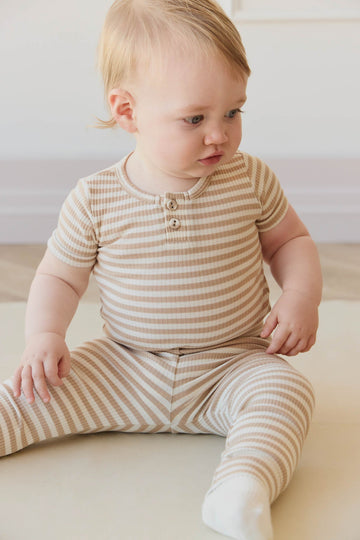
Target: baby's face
188, 120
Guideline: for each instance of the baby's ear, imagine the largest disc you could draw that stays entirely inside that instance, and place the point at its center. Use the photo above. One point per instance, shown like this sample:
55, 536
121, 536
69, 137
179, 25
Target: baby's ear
122, 109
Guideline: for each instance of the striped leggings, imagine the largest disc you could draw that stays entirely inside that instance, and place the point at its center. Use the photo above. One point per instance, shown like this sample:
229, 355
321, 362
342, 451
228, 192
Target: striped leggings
258, 401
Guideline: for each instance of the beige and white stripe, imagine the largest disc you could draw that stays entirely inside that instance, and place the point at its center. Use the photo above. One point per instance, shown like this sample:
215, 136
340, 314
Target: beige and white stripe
183, 297
179, 270
261, 403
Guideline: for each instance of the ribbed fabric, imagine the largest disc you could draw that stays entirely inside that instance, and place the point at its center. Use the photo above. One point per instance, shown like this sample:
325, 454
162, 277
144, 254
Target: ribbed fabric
261, 403
197, 285
183, 298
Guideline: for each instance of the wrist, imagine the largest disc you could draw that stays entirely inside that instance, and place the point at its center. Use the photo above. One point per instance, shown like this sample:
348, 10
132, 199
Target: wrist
306, 295
43, 334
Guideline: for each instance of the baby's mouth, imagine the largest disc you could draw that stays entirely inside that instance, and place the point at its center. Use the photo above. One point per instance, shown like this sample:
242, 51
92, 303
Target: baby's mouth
212, 159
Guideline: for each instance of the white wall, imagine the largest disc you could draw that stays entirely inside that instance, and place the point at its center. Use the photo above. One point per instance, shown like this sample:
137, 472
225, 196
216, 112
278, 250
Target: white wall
302, 114
305, 87
50, 90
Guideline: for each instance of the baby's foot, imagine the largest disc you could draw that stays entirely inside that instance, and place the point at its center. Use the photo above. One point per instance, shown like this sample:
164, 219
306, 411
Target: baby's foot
239, 508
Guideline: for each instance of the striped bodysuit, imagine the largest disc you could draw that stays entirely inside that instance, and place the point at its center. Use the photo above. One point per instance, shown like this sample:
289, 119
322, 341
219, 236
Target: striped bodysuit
183, 297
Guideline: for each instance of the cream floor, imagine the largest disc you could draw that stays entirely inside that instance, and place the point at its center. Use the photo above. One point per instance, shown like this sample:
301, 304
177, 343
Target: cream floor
340, 264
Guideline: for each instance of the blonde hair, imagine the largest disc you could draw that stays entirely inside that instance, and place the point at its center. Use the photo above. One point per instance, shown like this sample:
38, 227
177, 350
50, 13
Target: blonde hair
137, 31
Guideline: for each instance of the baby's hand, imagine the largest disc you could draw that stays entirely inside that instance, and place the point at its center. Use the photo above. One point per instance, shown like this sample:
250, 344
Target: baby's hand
295, 317
46, 359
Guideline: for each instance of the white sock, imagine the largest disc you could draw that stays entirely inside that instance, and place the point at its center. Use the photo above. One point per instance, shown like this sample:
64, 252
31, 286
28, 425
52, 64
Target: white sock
239, 508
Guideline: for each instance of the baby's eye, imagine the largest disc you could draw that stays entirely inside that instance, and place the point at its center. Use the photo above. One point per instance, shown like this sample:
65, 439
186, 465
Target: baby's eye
233, 113
194, 119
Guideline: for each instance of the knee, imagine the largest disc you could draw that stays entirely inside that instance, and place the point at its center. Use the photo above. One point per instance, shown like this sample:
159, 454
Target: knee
269, 381
306, 390
279, 379
290, 395
296, 389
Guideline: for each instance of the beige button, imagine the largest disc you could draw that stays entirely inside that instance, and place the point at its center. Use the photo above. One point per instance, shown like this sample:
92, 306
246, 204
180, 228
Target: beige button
174, 224
171, 205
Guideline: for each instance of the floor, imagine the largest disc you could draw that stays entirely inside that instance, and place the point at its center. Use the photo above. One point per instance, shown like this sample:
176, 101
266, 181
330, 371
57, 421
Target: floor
340, 264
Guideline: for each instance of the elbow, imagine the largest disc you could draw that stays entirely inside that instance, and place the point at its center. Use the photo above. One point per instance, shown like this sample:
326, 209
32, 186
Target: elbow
77, 288
270, 255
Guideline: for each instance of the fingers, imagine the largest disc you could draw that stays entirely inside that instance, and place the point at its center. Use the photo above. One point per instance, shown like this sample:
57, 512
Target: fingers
301, 347
269, 326
64, 365
39, 382
27, 383
292, 347
17, 382
37, 375
26, 378
51, 371
290, 342
45, 361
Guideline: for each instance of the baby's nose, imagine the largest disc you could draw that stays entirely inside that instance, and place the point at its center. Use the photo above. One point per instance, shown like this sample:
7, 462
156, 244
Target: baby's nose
216, 135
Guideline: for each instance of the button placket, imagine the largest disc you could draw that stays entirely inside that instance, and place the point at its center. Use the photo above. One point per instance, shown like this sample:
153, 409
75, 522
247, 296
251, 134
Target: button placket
175, 217
173, 222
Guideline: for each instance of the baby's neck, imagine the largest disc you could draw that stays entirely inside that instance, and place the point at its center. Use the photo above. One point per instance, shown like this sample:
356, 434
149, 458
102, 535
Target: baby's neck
156, 184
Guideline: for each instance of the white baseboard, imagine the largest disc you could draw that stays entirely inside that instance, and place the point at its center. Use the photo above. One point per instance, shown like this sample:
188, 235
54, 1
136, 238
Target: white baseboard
31, 194
324, 192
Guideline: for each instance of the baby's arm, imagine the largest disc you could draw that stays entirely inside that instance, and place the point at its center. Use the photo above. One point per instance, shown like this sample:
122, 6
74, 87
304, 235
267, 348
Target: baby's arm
54, 296
294, 262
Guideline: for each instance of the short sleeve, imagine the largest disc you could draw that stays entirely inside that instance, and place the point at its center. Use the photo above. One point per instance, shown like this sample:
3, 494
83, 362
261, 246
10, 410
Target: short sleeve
269, 193
74, 240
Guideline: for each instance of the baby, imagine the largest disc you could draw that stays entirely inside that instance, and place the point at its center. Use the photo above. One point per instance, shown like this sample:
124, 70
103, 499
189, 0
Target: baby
176, 234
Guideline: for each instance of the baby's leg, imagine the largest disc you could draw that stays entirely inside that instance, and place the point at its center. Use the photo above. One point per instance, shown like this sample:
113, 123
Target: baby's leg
110, 388
267, 406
